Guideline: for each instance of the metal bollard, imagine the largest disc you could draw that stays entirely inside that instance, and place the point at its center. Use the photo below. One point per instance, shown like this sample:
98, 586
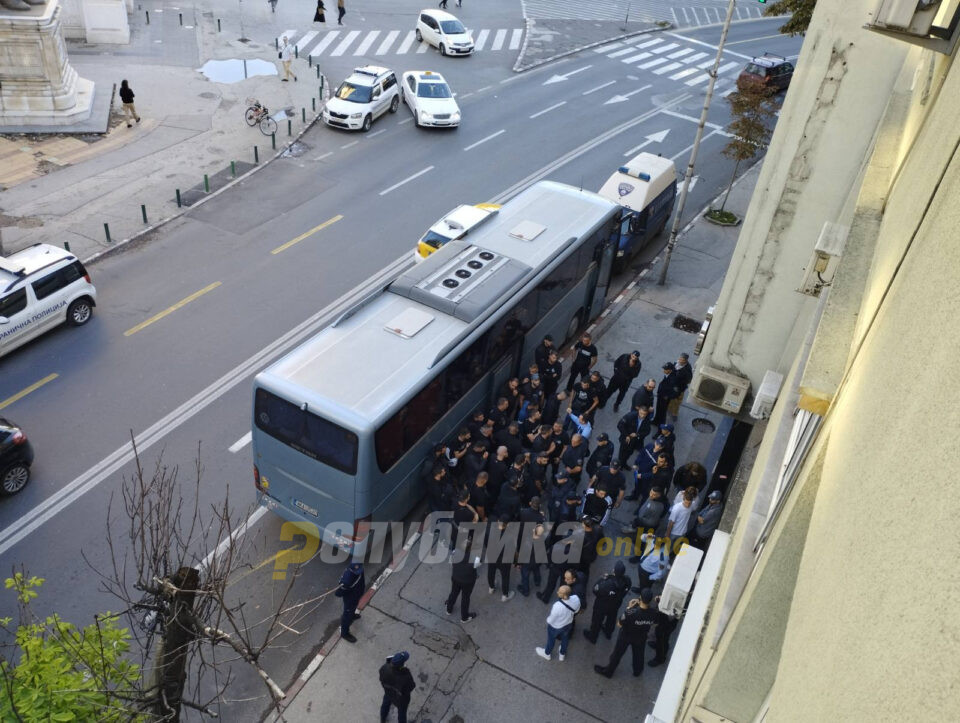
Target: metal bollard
233, 168
148, 16
256, 155
181, 18
218, 25
179, 202
296, 52
106, 230
66, 246
318, 70
303, 115
313, 103
309, 61
143, 212
276, 43
289, 127
321, 85
273, 140
206, 183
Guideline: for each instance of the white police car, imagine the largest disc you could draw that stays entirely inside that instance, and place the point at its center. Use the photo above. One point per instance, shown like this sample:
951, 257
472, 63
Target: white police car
40, 288
429, 99
368, 93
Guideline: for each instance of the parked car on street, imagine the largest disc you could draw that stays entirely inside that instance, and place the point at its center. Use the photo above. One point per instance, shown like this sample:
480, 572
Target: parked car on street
368, 93
41, 287
16, 456
430, 99
444, 32
772, 71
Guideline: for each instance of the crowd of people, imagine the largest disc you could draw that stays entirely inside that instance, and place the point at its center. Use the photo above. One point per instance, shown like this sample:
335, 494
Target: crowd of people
534, 458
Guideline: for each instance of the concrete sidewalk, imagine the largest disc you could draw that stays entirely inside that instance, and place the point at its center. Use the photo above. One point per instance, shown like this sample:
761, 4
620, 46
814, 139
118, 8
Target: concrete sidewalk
487, 669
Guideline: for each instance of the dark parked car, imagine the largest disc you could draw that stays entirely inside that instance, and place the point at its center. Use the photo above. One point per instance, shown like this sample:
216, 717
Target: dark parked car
772, 71
16, 456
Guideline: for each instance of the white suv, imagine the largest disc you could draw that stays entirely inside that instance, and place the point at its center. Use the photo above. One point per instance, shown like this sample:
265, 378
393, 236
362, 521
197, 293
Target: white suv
444, 32
40, 288
365, 95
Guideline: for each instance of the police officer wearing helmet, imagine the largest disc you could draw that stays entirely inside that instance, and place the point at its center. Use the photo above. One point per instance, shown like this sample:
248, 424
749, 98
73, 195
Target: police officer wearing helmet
610, 591
397, 682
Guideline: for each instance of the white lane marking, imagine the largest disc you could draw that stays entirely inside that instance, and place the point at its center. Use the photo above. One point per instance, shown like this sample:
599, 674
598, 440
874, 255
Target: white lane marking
345, 43
465, 95
665, 48
607, 48
684, 73
387, 42
323, 44
694, 58
424, 47
253, 519
724, 68
547, 110
241, 443
42, 513
405, 120
649, 43
687, 150
635, 58
395, 186
376, 133
699, 79
484, 140
621, 53
706, 63
348, 145
515, 38
325, 155
690, 118
498, 40
599, 87
481, 39
652, 63
680, 53
367, 42
480, 90
686, 39
407, 42
305, 40
667, 68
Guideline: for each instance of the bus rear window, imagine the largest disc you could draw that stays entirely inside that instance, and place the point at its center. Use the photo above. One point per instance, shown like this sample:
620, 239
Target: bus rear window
305, 432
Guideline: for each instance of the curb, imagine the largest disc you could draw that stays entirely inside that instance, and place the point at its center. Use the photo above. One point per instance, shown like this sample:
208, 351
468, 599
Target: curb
118, 245
526, 37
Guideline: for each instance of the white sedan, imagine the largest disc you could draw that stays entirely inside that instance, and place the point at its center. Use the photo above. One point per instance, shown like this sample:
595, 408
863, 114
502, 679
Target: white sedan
430, 99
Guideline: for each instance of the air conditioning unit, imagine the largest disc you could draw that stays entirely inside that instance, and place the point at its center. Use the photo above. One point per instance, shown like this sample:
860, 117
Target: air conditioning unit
720, 389
767, 395
912, 16
680, 580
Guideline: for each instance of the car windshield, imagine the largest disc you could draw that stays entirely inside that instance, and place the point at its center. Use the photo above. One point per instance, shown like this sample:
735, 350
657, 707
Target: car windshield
434, 240
354, 93
433, 90
754, 69
452, 27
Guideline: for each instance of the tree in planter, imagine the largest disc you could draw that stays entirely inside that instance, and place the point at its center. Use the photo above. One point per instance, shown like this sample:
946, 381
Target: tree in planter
800, 13
752, 107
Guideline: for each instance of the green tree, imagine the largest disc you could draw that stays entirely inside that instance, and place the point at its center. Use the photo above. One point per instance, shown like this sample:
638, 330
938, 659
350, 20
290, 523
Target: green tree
752, 107
800, 12
53, 671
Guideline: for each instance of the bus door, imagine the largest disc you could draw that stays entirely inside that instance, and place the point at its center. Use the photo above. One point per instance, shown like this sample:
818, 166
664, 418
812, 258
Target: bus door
602, 272
505, 368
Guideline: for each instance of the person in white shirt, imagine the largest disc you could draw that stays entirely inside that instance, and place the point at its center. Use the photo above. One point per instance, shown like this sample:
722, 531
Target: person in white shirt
681, 514
286, 56
560, 622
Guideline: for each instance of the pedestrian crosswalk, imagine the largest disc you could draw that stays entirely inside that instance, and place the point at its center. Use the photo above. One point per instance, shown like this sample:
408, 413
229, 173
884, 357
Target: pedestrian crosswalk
662, 57
637, 10
337, 43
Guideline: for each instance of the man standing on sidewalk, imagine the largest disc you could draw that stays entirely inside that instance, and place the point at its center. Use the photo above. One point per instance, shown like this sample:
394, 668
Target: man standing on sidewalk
635, 624
397, 682
286, 56
462, 579
352, 585
585, 355
625, 370
667, 390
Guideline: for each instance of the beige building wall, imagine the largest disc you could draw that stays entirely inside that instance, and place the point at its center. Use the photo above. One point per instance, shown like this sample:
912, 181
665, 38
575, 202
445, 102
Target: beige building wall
851, 610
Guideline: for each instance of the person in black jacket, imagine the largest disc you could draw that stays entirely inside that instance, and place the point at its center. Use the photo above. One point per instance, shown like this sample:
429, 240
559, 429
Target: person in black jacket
667, 390
633, 428
542, 353
463, 577
601, 455
585, 355
126, 97
350, 590
625, 369
635, 624
610, 591
684, 372
550, 373
645, 395
397, 682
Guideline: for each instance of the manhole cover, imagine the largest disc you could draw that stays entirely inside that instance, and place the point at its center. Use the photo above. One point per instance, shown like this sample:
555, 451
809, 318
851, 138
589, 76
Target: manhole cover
295, 150
685, 323
704, 425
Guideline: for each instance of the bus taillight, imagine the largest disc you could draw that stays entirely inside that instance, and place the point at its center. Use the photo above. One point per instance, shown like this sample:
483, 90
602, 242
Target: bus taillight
256, 478
361, 528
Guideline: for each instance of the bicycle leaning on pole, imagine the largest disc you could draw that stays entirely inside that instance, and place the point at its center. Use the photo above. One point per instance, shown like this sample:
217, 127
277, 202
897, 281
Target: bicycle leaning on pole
257, 114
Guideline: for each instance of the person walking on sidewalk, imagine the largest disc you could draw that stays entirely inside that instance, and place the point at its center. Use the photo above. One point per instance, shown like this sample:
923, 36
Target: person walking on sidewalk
462, 579
397, 682
625, 369
341, 10
350, 590
286, 57
126, 97
560, 622
319, 16
635, 625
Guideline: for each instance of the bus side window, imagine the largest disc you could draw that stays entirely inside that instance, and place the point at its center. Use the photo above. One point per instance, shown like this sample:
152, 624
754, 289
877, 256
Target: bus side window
556, 286
512, 327
407, 427
465, 371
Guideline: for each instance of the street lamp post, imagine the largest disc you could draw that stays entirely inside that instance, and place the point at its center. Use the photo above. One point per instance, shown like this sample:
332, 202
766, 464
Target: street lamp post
675, 228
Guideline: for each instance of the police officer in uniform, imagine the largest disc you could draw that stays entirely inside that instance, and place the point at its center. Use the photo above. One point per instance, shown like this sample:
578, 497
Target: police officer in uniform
350, 590
610, 591
635, 625
397, 682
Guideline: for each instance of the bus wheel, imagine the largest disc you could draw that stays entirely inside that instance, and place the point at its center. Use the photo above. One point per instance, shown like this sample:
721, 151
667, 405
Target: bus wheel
572, 328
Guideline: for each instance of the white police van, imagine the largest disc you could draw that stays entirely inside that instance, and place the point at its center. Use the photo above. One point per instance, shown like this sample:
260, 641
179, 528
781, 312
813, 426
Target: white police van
41, 287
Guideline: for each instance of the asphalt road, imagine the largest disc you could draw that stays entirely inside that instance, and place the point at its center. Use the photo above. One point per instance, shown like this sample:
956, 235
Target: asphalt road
180, 377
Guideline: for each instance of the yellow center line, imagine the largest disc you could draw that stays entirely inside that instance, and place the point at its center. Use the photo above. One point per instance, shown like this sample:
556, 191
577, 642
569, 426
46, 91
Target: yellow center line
32, 388
302, 236
165, 312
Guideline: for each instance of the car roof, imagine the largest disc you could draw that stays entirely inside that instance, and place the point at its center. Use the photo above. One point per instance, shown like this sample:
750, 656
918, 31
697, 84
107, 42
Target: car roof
460, 219
28, 261
769, 60
427, 76
366, 74
438, 14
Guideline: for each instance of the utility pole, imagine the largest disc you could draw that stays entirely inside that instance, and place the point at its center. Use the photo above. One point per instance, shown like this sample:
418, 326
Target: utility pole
675, 228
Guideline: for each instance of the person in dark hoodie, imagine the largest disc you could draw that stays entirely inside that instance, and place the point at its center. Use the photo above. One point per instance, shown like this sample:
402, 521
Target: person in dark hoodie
625, 370
609, 591
397, 682
667, 390
350, 590
633, 427
601, 455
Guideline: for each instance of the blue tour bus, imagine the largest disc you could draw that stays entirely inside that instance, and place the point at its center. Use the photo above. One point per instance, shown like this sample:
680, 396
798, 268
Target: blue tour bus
342, 423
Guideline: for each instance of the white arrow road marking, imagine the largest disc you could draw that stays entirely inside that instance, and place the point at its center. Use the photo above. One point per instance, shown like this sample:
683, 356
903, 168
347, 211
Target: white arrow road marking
559, 78
625, 96
241, 443
652, 138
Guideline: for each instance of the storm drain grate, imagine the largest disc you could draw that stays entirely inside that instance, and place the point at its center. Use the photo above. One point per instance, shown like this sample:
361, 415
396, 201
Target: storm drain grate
685, 323
703, 425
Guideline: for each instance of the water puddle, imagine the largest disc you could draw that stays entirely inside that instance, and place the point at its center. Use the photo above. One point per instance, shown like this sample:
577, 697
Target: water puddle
235, 70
